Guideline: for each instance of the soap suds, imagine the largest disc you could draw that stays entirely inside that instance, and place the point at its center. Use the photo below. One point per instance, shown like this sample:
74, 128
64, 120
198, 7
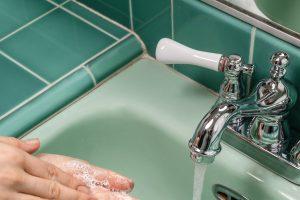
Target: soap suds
88, 175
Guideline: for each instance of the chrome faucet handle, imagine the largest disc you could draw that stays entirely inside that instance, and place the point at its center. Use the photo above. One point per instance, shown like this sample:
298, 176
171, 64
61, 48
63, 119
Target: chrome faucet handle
237, 78
274, 97
234, 87
280, 61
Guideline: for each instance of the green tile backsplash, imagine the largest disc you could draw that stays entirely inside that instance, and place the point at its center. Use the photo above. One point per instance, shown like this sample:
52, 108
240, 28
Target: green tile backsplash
151, 20
51, 53
16, 13
55, 44
20, 91
117, 10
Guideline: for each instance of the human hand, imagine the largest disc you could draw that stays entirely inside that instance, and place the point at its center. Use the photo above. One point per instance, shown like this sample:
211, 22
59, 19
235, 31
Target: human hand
26, 177
104, 184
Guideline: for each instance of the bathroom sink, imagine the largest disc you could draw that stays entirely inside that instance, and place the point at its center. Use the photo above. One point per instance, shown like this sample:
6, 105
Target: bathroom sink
139, 122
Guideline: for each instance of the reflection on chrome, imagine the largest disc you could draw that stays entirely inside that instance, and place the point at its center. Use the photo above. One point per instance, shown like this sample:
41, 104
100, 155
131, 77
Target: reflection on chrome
259, 116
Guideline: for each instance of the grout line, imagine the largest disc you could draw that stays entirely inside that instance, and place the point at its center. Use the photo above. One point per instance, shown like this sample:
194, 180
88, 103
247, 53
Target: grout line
102, 16
113, 22
172, 20
62, 77
85, 21
106, 49
153, 18
38, 93
33, 21
26, 25
90, 73
131, 15
252, 45
24, 67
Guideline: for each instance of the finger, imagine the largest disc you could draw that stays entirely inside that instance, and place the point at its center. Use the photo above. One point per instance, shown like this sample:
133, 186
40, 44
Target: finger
106, 178
108, 195
115, 181
39, 168
50, 189
30, 146
27, 197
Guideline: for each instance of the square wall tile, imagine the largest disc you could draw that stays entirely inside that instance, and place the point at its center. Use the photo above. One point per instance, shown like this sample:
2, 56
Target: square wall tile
117, 10
97, 20
16, 85
205, 28
16, 13
55, 44
265, 46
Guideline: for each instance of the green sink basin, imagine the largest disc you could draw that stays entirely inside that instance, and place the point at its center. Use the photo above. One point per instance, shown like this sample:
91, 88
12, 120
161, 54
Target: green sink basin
138, 123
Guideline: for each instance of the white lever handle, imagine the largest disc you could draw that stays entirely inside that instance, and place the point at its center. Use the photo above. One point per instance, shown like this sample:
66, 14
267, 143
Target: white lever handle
170, 52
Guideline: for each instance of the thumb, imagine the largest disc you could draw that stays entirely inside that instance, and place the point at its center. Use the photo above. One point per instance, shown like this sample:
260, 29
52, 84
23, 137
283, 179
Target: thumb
30, 146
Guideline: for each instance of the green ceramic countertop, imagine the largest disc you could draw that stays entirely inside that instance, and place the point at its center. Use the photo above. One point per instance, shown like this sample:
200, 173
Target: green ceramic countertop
51, 52
139, 122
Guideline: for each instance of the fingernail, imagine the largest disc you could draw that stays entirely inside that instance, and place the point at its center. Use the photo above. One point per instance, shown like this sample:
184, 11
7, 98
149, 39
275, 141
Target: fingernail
32, 141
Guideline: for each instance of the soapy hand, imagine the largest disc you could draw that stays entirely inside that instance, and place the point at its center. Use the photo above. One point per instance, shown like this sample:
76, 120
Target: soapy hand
26, 177
104, 184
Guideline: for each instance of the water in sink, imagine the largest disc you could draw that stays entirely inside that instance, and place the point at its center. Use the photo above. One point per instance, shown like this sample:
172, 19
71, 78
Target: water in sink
199, 174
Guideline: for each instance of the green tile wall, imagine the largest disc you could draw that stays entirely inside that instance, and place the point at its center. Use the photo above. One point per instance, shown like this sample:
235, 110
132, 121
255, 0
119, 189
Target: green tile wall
151, 19
20, 91
203, 27
51, 55
117, 10
16, 13
54, 43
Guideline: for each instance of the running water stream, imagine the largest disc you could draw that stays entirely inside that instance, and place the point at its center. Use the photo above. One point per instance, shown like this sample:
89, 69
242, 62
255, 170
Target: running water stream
199, 174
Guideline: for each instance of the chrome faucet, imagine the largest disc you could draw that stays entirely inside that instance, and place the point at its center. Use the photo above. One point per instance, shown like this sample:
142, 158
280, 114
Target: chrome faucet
268, 106
257, 117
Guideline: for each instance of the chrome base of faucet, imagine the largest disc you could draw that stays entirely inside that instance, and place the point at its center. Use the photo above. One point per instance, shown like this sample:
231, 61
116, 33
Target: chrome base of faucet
269, 133
280, 163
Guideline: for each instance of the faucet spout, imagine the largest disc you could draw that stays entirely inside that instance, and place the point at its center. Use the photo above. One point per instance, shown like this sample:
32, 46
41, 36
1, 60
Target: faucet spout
205, 143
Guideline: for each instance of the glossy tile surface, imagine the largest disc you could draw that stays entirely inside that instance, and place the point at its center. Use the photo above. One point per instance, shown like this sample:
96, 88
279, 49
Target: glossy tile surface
15, 85
52, 51
117, 10
59, 1
95, 19
152, 21
116, 58
16, 13
46, 104
55, 44
205, 28
265, 46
